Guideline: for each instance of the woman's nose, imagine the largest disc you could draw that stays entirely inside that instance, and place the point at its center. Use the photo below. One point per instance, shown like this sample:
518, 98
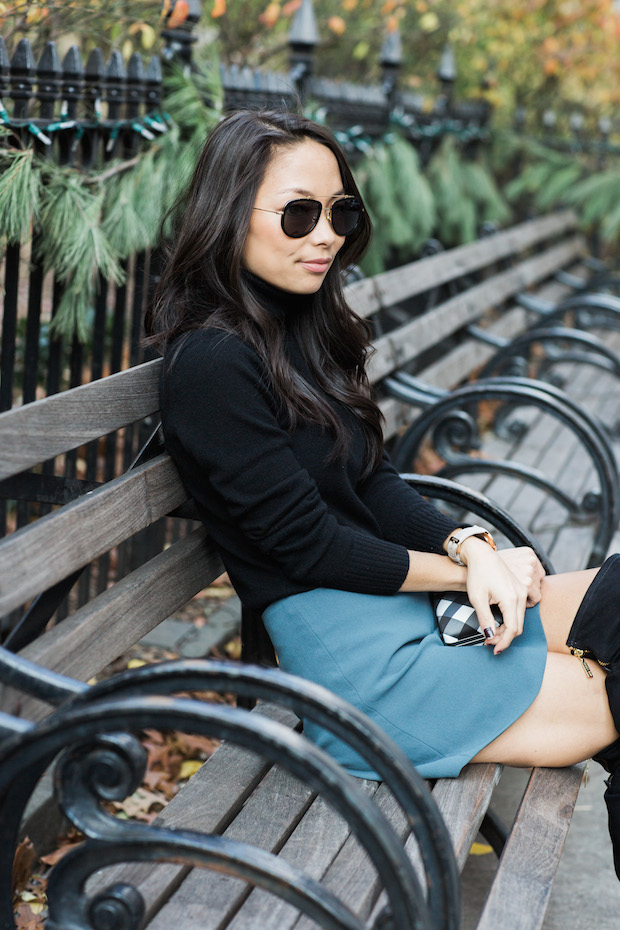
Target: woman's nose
323, 231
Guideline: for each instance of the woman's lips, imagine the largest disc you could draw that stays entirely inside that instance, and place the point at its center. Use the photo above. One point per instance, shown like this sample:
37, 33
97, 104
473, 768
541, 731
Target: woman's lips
317, 265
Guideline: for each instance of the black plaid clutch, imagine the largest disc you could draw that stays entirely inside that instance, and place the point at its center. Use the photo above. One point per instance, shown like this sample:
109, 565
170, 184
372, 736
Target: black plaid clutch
457, 619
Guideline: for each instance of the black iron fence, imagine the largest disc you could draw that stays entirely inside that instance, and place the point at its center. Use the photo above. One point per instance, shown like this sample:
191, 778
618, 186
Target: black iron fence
86, 116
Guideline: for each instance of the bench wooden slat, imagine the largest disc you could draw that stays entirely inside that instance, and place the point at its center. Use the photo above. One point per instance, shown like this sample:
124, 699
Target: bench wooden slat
207, 900
520, 892
351, 874
55, 424
313, 845
71, 537
430, 328
362, 297
397, 284
463, 802
106, 627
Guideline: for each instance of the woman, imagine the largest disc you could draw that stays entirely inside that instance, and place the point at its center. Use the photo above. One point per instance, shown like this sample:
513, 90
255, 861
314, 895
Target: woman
267, 412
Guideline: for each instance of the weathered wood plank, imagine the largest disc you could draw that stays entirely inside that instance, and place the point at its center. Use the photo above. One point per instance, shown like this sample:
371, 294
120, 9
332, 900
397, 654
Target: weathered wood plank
352, 876
46, 428
363, 298
71, 537
106, 627
520, 891
394, 350
463, 802
313, 846
424, 274
207, 900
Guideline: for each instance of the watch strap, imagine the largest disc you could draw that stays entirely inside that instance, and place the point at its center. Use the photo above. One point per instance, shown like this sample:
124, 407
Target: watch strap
459, 536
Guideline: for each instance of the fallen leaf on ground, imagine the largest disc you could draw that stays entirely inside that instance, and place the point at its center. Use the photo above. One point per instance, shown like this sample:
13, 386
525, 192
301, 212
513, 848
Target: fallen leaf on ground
140, 804
25, 856
189, 768
54, 857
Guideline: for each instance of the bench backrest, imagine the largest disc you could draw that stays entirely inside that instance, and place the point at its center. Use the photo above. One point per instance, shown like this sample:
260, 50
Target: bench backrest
43, 553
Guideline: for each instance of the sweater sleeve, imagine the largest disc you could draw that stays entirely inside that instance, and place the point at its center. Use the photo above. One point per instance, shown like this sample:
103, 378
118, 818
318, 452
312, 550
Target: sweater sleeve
403, 515
221, 419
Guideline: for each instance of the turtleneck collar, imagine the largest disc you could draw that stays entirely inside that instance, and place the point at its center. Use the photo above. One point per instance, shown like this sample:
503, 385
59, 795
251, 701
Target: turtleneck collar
275, 300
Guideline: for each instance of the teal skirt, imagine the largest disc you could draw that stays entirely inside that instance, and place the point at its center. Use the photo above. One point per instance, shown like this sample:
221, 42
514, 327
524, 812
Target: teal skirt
441, 704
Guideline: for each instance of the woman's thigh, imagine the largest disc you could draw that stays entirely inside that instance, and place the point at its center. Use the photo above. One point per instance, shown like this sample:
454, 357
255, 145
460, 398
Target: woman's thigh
561, 596
568, 721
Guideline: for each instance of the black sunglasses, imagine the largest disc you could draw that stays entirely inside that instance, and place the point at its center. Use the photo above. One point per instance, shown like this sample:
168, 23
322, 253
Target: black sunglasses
299, 217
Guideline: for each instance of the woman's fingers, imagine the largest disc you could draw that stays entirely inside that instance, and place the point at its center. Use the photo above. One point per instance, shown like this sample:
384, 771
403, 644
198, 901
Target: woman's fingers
525, 565
513, 612
506, 582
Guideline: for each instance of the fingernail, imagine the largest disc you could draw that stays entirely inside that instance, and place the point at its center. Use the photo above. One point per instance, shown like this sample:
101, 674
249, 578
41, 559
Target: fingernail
488, 632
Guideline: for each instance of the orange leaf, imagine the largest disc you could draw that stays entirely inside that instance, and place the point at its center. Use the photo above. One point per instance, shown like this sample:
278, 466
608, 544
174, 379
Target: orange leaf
337, 25
219, 8
54, 857
270, 15
179, 14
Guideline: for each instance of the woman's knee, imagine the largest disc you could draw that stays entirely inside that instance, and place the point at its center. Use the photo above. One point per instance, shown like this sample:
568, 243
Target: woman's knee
568, 721
561, 596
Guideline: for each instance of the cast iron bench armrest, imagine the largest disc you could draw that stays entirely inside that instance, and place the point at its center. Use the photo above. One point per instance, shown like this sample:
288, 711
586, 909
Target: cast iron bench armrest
455, 433
85, 729
451, 492
585, 348
604, 308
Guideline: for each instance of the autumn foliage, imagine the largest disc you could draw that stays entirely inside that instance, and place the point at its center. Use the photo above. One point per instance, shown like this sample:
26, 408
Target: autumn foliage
530, 53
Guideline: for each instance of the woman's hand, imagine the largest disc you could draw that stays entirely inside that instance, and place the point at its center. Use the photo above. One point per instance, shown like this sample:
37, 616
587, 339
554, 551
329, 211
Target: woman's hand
525, 564
493, 579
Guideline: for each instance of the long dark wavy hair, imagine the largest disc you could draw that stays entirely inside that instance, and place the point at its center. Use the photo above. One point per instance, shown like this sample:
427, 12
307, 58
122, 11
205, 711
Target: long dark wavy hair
203, 285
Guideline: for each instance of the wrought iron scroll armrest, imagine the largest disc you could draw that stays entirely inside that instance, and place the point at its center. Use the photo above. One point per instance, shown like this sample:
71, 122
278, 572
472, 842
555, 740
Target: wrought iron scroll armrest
595, 351
536, 304
473, 501
31, 678
490, 339
601, 306
132, 700
574, 281
409, 389
453, 408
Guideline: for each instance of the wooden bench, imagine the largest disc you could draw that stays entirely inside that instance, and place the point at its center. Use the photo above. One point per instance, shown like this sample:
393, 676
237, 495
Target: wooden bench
441, 348
237, 794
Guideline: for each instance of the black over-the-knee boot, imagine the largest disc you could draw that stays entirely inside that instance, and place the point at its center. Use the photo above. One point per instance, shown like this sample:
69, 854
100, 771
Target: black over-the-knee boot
596, 633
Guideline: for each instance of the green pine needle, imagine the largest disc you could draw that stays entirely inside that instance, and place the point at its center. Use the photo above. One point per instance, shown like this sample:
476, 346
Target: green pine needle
20, 188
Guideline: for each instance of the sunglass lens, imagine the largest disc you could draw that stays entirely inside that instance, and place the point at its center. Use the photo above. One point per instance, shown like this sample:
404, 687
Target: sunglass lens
300, 217
346, 214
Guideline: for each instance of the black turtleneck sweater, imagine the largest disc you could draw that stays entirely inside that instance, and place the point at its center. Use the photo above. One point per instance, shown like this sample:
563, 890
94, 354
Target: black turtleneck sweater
285, 518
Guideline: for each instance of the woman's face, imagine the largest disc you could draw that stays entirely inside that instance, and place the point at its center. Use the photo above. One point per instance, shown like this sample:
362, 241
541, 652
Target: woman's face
308, 169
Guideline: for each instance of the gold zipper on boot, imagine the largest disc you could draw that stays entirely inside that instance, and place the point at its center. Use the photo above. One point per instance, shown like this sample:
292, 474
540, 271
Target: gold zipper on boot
580, 655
